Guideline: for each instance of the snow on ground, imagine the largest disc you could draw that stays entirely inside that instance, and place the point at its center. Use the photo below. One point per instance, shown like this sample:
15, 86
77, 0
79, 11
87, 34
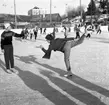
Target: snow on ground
41, 82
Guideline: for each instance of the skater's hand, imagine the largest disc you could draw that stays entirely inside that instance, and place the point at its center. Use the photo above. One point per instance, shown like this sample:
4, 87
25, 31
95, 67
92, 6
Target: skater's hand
41, 46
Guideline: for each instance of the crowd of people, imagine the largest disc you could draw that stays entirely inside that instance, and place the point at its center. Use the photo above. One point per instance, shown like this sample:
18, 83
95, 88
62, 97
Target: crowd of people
88, 29
32, 32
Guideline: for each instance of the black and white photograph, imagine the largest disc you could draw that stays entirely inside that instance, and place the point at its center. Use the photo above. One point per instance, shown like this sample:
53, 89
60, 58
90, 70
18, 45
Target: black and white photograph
54, 52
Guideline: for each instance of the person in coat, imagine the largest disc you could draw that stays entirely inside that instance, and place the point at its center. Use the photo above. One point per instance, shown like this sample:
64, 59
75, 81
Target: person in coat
63, 45
7, 47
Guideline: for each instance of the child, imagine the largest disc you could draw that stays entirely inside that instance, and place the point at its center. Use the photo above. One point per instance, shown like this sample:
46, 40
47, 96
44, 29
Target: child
7, 47
63, 45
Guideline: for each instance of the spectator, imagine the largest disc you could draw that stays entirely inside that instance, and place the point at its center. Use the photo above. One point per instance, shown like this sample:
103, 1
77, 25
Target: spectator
35, 32
99, 29
7, 48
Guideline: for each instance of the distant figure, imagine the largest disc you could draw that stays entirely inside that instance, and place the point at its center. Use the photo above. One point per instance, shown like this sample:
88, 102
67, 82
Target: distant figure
23, 33
44, 31
89, 31
40, 30
99, 29
26, 33
77, 30
69, 29
65, 31
31, 33
54, 31
108, 27
35, 32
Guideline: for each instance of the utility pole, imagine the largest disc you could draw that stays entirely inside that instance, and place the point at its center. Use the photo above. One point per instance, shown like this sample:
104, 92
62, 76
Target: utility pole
15, 14
80, 13
91, 11
50, 11
80, 10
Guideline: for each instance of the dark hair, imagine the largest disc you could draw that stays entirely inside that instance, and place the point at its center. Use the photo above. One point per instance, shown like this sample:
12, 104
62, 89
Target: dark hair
49, 37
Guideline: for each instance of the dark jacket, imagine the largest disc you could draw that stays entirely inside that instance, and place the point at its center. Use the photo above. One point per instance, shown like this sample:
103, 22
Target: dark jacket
56, 45
6, 38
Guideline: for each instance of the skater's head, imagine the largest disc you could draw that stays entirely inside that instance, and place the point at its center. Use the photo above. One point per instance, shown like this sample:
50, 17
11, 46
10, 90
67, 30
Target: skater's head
49, 37
7, 26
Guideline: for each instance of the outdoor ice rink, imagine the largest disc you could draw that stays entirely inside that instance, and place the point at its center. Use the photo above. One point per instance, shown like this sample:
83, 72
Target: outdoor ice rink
41, 81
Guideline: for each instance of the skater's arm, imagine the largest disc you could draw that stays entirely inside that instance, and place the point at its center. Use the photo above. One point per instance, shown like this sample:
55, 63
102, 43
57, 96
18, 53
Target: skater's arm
47, 52
17, 35
44, 50
2, 40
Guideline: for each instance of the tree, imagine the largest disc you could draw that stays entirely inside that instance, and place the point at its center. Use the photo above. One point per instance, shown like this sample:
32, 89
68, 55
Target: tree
73, 12
108, 7
103, 6
91, 10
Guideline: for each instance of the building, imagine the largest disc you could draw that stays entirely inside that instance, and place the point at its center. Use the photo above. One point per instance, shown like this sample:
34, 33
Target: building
36, 11
35, 16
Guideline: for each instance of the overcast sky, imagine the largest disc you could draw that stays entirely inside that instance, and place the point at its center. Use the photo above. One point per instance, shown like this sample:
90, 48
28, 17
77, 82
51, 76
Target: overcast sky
22, 6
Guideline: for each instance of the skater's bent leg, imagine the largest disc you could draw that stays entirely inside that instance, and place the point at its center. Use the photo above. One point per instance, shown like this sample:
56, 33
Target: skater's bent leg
67, 50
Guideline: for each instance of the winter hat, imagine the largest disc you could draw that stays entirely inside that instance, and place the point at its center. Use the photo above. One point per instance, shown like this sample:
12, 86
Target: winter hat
49, 37
6, 25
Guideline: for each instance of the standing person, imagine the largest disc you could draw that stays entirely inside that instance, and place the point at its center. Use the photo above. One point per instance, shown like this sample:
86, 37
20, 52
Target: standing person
65, 31
7, 48
54, 31
23, 33
63, 45
35, 32
26, 33
99, 29
89, 31
31, 33
108, 27
44, 30
77, 30
40, 30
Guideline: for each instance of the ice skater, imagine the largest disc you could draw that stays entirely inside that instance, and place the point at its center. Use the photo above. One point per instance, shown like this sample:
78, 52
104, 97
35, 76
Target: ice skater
65, 31
99, 29
63, 45
7, 47
77, 30
89, 31
35, 32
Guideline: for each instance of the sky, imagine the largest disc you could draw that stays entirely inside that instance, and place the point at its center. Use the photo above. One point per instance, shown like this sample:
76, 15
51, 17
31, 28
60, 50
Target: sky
22, 6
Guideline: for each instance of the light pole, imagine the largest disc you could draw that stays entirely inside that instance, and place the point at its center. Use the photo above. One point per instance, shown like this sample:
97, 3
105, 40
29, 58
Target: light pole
15, 14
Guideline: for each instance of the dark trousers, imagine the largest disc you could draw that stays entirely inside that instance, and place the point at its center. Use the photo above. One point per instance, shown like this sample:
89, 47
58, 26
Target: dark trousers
35, 33
31, 36
99, 31
77, 35
67, 50
8, 56
88, 35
